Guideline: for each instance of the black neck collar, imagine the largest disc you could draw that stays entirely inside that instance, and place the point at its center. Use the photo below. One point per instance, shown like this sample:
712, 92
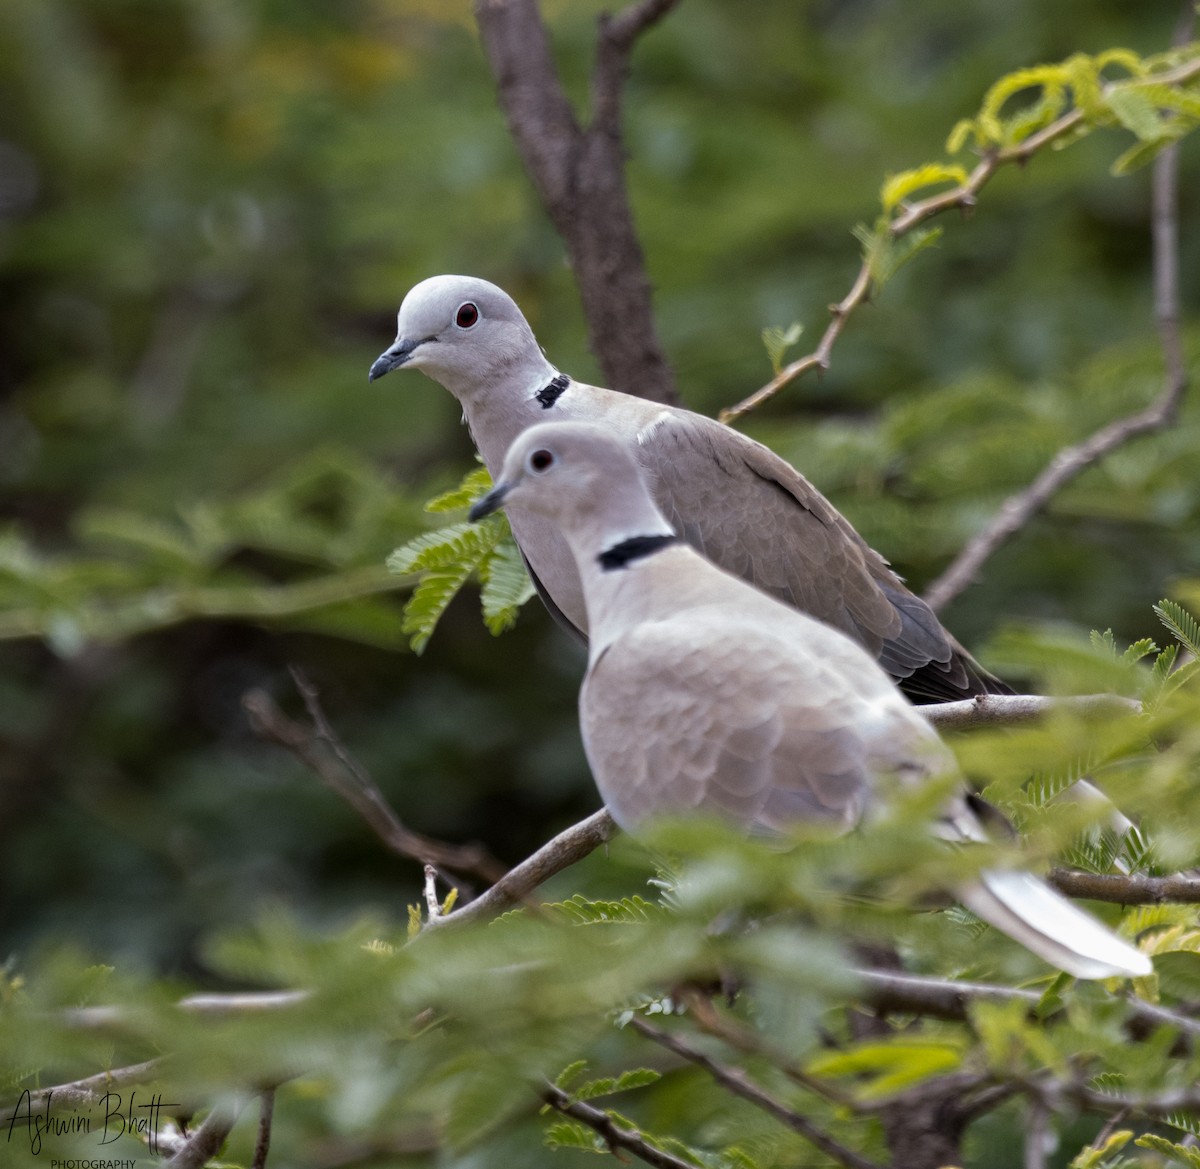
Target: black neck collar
623, 554
550, 393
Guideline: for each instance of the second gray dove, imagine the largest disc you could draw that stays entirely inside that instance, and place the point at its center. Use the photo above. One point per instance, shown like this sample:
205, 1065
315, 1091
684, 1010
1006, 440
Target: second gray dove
728, 496
705, 694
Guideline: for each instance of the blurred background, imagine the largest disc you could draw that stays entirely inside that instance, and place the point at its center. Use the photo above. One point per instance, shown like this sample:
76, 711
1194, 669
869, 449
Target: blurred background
209, 212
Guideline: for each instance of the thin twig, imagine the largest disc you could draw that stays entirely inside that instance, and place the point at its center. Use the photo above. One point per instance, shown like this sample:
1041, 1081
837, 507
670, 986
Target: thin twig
205, 1143
912, 215
1016, 511
323, 753
749, 1042
568, 847
1124, 889
736, 1081
432, 906
1037, 1129
262, 1143
614, 1135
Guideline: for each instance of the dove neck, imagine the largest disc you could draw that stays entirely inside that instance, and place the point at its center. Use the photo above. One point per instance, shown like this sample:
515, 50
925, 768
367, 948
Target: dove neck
497, 411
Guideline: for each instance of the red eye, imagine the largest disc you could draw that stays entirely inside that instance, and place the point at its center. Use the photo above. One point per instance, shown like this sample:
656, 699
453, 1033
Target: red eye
541, 460
466, 316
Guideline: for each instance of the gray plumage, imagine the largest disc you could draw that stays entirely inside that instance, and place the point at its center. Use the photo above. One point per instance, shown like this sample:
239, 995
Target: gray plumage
730, 497
703, 693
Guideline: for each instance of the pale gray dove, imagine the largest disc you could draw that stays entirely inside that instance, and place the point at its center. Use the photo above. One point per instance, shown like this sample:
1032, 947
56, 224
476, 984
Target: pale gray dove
703, 693
728, 496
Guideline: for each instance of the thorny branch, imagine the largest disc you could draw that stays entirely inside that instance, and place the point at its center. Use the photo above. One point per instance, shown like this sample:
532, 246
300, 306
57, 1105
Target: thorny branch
614, 1135
736, 1081
324, 754
913, 214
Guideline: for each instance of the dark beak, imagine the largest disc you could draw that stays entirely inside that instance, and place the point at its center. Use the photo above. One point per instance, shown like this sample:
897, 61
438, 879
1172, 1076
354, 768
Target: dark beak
392, 358
491, 502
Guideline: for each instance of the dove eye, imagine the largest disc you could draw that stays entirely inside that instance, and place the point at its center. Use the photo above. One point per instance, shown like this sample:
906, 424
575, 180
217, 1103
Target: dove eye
466, 316
541, 460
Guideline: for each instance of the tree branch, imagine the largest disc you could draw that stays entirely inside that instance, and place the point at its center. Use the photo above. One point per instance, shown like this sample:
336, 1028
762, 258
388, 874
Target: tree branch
614, 1135
1016, 511
205, 1143
85, 1091
1011, 709
912, 215
890, 992
736, 1081
579, 173
262, 1144
324, 754
1121, 889
569, 846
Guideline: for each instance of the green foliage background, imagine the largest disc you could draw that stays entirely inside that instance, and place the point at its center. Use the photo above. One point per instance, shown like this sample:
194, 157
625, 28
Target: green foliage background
209, 210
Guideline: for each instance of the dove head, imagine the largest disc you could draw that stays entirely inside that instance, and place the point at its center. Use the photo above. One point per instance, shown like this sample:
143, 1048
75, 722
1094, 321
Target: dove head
584, 478
466, 334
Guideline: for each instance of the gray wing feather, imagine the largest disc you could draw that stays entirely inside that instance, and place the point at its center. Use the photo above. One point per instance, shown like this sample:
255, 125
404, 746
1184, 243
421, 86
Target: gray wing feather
756, 516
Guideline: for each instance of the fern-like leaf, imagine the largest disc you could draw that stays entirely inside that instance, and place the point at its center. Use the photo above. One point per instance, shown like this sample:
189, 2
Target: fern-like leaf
1181, 623
506, 586
778, 341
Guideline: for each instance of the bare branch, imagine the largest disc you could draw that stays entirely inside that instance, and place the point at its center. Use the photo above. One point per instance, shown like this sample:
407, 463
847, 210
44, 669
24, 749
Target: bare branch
617, 36
209, 1006
323, 753
579, 173
1037, 1132
569, 846
891, 992
1122, 889
912, 215
614, 1135
205, 1143
1010, 709
1016, 511
736, 1081
262, 1144
82, 1092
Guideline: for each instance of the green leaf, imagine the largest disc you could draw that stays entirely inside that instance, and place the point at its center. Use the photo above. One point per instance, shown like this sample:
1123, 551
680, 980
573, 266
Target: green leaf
569, 1134
1135, 111
475, 485
610, 1085
899, 186
885, 255
1181, 1154
890, 1067
1181, 623
570, 1073
1094, 1156
778, 341
506, 586
430, 599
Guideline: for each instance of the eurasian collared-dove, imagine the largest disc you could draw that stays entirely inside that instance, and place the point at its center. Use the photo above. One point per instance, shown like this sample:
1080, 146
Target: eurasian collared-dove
705, 693
728, 496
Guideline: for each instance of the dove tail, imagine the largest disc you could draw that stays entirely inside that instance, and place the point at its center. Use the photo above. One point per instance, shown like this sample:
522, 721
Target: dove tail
1030, 912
